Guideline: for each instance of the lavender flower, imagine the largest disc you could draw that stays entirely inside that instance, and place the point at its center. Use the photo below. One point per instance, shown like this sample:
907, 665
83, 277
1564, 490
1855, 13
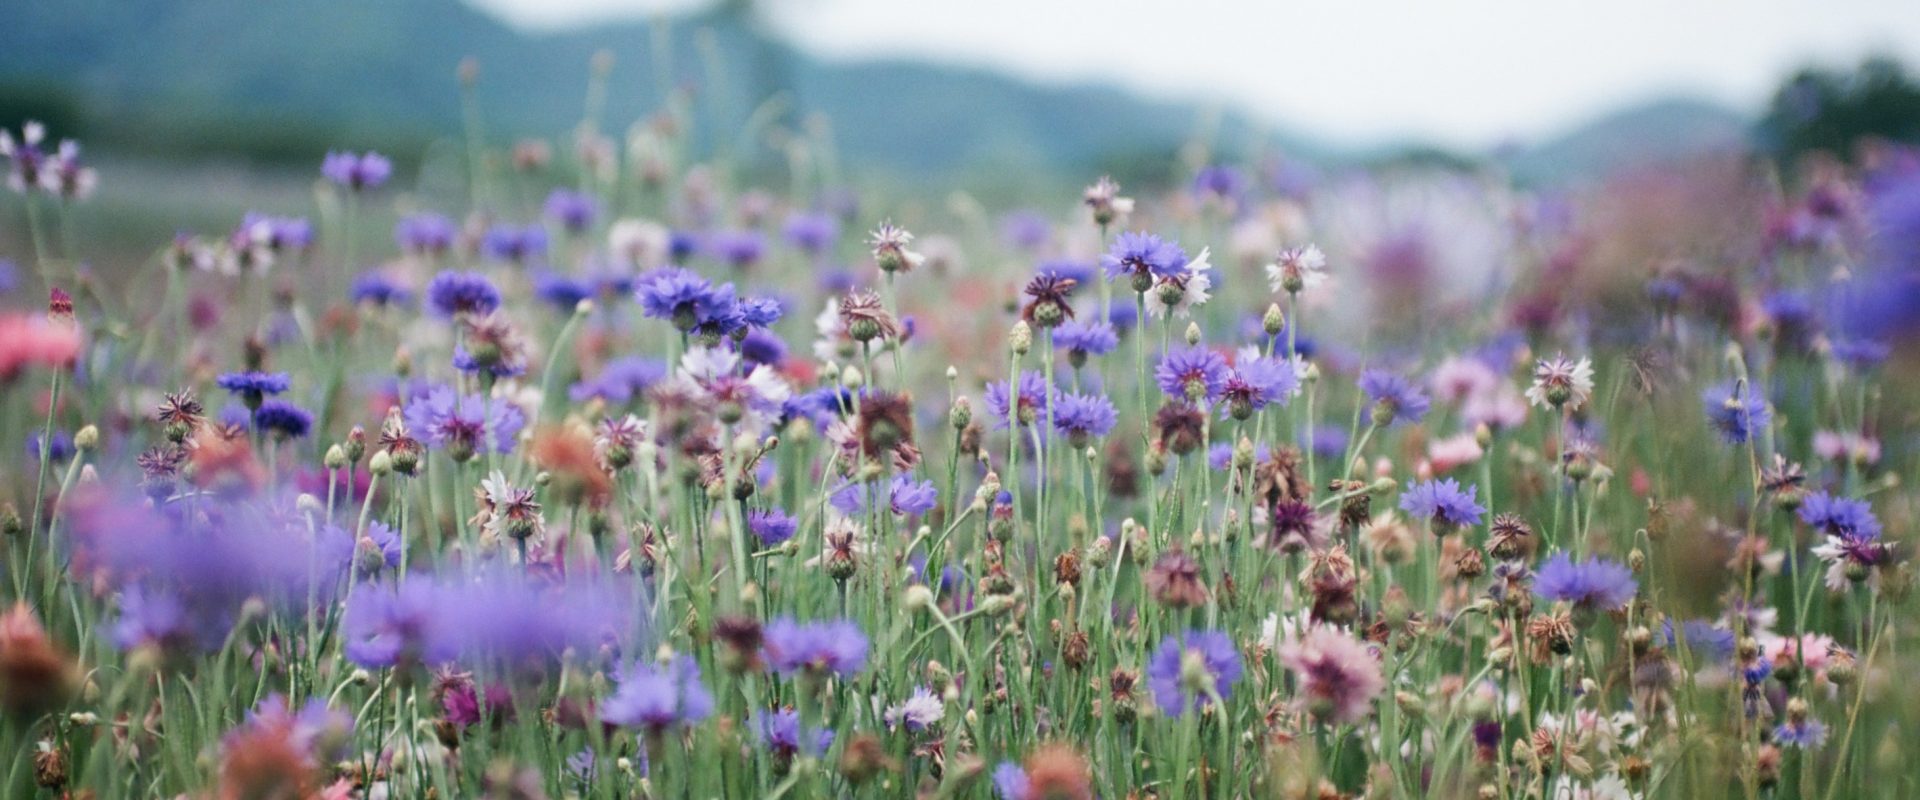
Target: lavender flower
574, 210
813, 233
659, 698
620, 381
453, 294
514, 244
1393, 397
1023, 405
1143, 257
357, 171
424, 234
1187, 667
689, 301
379, 290
772, 526
1192, 374
1010, 782
835, 647
1595, 584
1842, 517
921, 711
1083, 417
254, 387
462, 425
283, 420
1083, 338
1443, 504
1735, 418
780, 733
1255, 383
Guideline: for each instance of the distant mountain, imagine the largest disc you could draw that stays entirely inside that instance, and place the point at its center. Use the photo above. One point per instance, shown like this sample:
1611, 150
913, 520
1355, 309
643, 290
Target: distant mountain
1644, 135
274, 77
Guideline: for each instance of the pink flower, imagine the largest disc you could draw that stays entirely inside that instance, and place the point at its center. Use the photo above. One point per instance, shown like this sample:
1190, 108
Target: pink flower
31, 341
1454, 451
1814, 651
1846, 446
1339, 675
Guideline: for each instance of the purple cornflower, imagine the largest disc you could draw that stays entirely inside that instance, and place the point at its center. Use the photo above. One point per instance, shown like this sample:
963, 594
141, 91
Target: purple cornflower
563, 292
1143, 257
1083, 417
424, 234
461, 424
834, 647
1708, 641
740, 248
659, 698
762, 312
574, 210
1025, 230
1844, 517
379, 548
379, 289
1219, 182
1806, 734
762, 346
1010, 782
1443, 503
1192, 374
357, 171
772, 526
1736, 418
922, 710
1256, 383
909, 497
1179, 685
282, 419
620, 381
1595, 584
514, 244
26, 160
453, 294
389, 626
158, 619
1082, 338
59, 447
779, 732
1023, 406
687, 300
253, 387
813, 233
1393, 397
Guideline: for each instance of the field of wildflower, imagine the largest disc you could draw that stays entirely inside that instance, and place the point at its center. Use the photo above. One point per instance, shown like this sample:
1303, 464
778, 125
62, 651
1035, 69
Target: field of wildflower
616, 471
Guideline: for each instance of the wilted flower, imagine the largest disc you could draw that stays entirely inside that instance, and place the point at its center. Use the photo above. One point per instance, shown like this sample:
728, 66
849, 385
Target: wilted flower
1339, 675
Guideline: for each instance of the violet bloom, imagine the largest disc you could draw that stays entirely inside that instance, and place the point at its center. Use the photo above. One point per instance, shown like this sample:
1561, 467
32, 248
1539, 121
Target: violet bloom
1843, 517
909, 497
1187, 666
1143, 257
689, 301
1393, 398
379, 290
512, 244
1083, 417
159, 619
772, 526
813, 233
1735, 418
1256, 383
357, 171
1010, 782
464, 425
1192, 374
762, 346
574, 210
563, 292
424, 234
1443, 504
395, 626
282, 420
1595, 584
834, 647
739, 249
254, 387
659, 698
1023, 405
621, 381
921, 711
1083, 338
453, 294
779, 733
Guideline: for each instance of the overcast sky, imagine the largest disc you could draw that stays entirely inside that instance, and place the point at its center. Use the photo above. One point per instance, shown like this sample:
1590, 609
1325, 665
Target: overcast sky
1464, 72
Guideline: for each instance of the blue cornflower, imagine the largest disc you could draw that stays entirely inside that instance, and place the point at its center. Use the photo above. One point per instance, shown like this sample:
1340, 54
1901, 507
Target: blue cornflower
461, 424
60, 447
779, 732
1143, 257
1082, 338
1443, 503
1010, 782
772, 526
283, 419
741, 248
563, 292
1023, 405
1025, 229
1708, 641
1256, 383
357, 171
1596, 584
454, 294
812, 232
514, 244
379, 289
394, 625
424, 234
574, 210
253, 387
1192, 374
762, 346
620, 381
1083, 417
909, 497
689, 301
1860, 353
1806, 734
1844, 517
1736, 418
1175, 688
762, 312
1220, 182
659, 698
1393, 397
821, 648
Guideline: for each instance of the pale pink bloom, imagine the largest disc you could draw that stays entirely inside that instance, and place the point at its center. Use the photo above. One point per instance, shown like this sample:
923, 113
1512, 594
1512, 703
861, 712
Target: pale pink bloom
1339, 675
1459, 379
35, 341
1846, 446
1453, 452
1501, 409
1814, 650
